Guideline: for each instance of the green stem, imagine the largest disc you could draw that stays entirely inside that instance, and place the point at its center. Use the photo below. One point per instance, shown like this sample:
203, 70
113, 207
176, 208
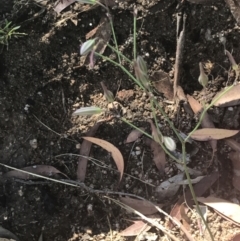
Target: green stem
134, 34
192, 190
148, 135
120, 66
118, 52
206, 109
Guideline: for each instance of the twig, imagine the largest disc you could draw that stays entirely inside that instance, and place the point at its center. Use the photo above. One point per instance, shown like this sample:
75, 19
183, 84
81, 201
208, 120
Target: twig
179, 51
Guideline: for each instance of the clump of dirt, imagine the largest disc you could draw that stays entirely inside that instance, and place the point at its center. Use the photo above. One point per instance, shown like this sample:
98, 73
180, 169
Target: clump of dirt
42, 81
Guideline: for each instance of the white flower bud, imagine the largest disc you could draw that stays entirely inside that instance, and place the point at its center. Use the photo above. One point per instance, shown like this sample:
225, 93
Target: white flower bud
169, 143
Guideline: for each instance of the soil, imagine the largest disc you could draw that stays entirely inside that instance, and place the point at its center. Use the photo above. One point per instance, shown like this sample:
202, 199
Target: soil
43, 81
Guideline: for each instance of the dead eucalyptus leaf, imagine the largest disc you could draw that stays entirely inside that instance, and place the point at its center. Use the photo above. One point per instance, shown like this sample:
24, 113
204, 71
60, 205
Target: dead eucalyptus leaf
135, 229
228, 209
143, 206
169, 188
200, 188
134, 135
62, 5
116, 154
231, 98
159, 156
84, 151
206, 121
207, 134
162, 84
43, 170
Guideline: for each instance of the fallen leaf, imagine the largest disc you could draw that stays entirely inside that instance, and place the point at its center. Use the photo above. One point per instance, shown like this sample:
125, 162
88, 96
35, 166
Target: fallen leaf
62, 5
103, 34
206, 121
235, 237
162, 84
192, 172
116, 154
159, 156
143, 206
4, 233
206, 134
134, 135
228, 209
84, 151
233, 144
231, 98
200, 188
135, 229
185, 219
43, 170
169, 188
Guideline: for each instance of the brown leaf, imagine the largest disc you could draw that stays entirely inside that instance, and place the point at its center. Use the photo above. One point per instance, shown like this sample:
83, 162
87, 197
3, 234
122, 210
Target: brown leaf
185, 219
233, 144
62, 5
159, 156
200, 188
228, 209
116, 154
206, 134
231, 98
103, 34
84, 151
162, 84
43, 170
143, 206
206, 121
135, 229
134, 135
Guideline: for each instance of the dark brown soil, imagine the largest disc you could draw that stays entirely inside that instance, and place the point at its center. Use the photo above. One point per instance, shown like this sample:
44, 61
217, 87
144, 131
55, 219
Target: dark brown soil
43, 80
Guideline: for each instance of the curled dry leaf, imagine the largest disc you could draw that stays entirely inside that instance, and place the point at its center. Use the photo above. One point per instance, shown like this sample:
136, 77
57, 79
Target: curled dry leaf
200, 188
159, 156
134, 135
231, 98
206, 121
84, 151
43, 170
162, 84
143, 206
62, 5
135, 229
206, 134
227, 209
169, 188
116, 154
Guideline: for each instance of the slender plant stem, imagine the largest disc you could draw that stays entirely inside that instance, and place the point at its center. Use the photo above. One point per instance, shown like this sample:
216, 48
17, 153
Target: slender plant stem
115, 39
206, 109
124, 69
148, 135
134, 34
118, 52
192, 190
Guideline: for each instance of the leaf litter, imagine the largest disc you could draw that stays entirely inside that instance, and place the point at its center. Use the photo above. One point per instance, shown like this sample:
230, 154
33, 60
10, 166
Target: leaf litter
224, 207
44, 170
84, 152
206, 120
143, 206
116, 154
135, 229
134, 135
207, 134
